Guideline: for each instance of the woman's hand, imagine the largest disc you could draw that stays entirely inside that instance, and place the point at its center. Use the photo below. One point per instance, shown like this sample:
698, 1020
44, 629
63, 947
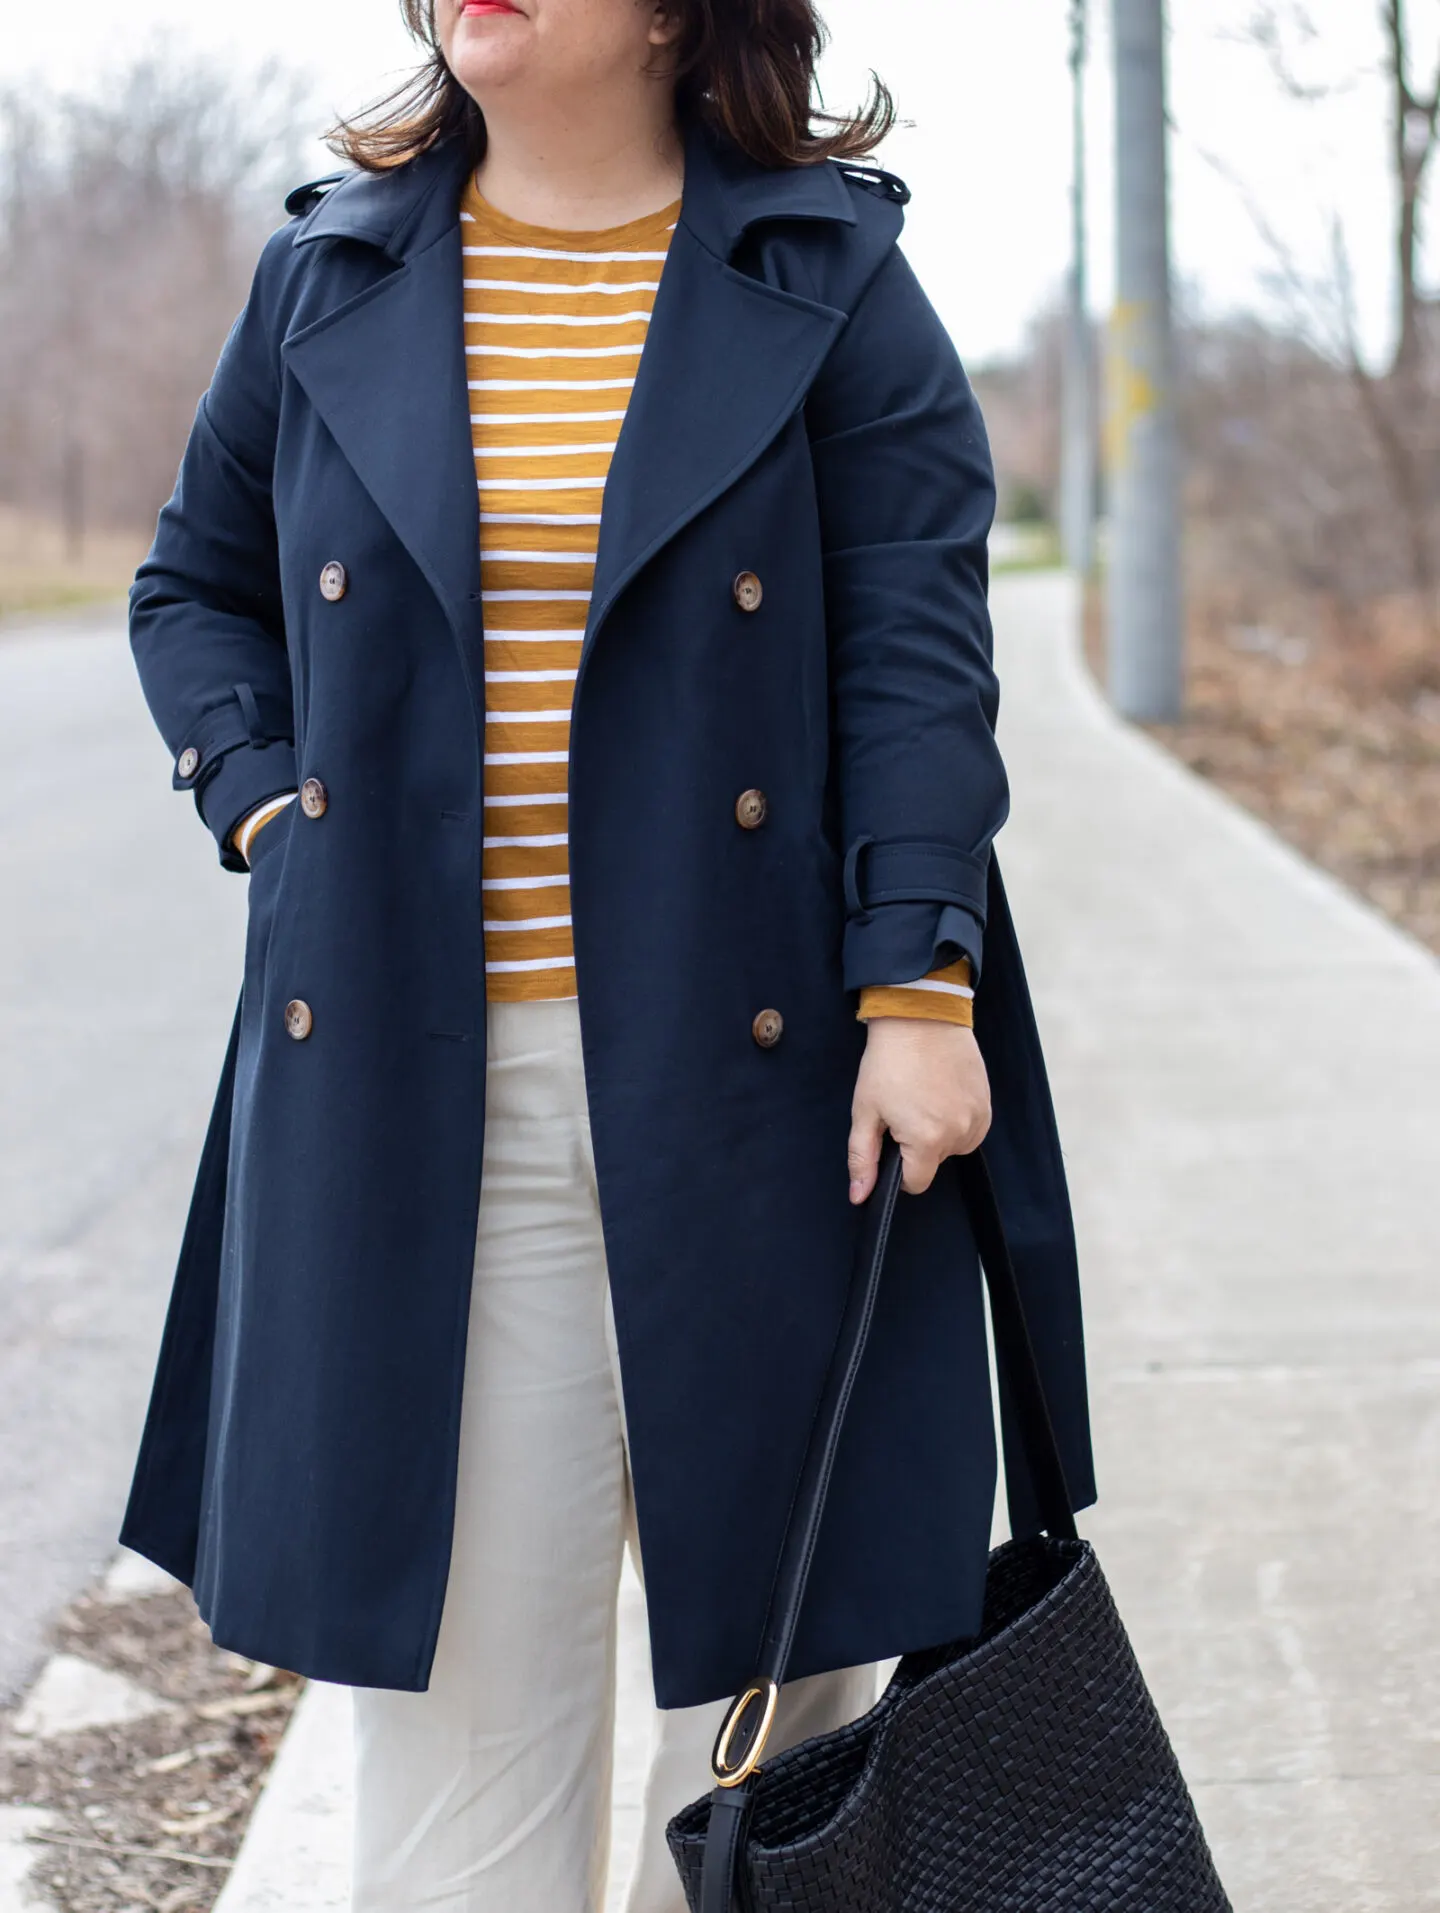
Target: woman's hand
926, 1083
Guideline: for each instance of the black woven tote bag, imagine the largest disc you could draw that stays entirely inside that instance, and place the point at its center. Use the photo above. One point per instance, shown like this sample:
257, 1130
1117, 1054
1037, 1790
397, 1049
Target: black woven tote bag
1025, 1771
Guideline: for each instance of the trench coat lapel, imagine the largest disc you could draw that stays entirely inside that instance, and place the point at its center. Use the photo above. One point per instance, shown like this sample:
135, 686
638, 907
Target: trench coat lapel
386, 372
727, 361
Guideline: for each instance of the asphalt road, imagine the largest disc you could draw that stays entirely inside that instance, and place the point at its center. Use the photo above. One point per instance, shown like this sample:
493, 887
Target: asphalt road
120, 950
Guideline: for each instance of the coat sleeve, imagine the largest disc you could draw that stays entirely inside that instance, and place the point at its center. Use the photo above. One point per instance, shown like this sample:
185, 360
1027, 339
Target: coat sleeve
206, 622
907, 497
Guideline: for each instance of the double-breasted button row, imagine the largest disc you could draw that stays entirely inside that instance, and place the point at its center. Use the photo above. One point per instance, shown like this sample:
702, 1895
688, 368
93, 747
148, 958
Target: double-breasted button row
299, 1018
749, 592
334, 582
752, 807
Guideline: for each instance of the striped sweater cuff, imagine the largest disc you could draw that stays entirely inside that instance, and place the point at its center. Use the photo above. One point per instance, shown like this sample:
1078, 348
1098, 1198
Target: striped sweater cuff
945, 996
243, 834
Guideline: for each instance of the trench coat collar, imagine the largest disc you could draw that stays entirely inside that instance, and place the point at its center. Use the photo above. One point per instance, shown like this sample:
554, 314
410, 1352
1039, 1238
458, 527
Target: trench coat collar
727, 361
404, 212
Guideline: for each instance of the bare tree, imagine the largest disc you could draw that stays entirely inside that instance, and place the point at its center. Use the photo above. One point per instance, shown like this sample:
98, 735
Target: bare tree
130, 219
1288, 33
1396, 409
1413, 131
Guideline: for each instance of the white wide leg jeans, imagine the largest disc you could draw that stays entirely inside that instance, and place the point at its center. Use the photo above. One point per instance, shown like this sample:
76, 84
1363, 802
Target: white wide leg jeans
490, 1793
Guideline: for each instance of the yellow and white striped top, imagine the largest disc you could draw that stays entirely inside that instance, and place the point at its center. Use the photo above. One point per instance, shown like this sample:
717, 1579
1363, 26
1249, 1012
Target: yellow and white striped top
554, 327
555, 323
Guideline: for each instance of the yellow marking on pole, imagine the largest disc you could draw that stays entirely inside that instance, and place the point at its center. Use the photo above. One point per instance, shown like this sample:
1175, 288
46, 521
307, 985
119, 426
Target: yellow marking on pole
1130, 392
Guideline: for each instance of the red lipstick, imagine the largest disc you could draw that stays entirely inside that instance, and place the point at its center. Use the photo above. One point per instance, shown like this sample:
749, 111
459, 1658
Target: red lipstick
480, 7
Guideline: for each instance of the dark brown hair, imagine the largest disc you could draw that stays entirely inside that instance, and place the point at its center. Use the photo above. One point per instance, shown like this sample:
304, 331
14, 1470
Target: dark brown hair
746, 68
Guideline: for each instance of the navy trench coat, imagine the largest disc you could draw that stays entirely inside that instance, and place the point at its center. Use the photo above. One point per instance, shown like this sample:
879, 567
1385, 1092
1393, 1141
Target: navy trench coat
799, 413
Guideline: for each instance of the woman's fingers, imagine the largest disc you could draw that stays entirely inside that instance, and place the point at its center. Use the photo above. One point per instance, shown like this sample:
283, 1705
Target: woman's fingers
920, 1162
926, 1083
866, 1130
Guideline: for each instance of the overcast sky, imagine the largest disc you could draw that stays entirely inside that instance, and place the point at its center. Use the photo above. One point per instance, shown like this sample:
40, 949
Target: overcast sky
985, 83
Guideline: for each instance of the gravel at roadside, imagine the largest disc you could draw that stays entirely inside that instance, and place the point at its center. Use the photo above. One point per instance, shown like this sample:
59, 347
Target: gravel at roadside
149, 1812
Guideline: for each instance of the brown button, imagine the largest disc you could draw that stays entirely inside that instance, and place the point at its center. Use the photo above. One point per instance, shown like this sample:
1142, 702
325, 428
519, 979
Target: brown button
752, 807
333, 582
298, 1020
314, 798
748, 591
189, 762
768, 1028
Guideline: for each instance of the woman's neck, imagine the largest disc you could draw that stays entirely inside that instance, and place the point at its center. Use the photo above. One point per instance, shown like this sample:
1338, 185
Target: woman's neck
611, 162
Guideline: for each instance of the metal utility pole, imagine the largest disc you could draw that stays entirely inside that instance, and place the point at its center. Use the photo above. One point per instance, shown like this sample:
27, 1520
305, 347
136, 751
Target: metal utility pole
1077, 462
1145, 597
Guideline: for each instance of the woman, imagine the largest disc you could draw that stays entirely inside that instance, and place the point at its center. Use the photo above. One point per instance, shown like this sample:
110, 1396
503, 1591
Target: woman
663, 956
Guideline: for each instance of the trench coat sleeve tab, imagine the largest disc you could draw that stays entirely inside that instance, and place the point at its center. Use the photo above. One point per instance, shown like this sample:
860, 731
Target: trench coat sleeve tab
906, 492
877, 874
241, 721
896, 888
241, 746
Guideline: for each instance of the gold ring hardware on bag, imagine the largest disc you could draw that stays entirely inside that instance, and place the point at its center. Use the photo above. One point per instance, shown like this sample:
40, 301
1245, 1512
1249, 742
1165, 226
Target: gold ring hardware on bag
766, 1695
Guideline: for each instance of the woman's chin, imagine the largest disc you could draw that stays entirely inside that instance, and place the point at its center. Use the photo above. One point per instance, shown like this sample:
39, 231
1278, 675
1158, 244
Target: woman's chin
486, 52
484, 38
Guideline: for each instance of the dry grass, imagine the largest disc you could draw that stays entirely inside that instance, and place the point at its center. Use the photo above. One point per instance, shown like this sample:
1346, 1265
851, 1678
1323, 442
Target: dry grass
150, 1815
1322, 723
38, 574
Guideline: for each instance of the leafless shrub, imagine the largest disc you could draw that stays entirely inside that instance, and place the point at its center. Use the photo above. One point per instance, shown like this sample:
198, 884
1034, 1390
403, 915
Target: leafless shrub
1285, 478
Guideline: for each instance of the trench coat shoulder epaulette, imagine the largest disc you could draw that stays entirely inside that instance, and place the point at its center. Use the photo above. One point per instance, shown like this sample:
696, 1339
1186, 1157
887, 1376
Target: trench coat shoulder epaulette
874, 179
306, 198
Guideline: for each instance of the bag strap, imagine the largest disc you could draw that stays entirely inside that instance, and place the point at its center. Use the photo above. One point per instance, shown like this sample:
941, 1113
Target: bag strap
747, 1726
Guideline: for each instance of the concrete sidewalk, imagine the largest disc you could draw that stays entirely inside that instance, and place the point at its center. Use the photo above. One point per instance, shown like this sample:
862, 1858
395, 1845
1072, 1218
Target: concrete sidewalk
1247, 1062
